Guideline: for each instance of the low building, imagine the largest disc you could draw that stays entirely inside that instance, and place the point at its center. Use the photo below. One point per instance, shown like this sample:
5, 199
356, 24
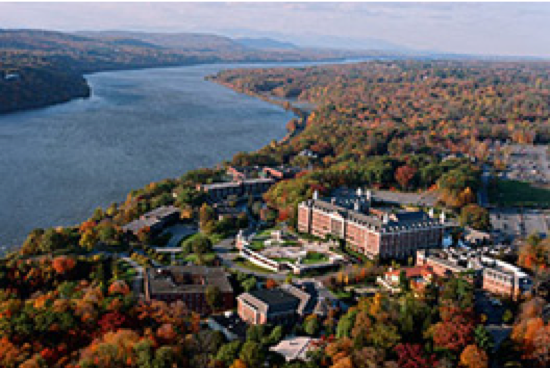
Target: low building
418, 276
188, 284
239, 173
230, 324
475, 237
284, 305
504, 279
281, 172
441, 263
490, 274
155, 220
224, 211
220, 191
264, 306
295, 347
373, 232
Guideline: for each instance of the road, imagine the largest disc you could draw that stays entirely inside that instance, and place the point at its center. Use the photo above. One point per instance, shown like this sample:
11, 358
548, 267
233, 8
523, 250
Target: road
483, 194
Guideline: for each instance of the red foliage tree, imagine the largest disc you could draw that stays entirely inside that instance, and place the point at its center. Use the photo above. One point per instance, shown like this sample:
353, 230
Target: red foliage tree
63, 264
404, 174
414, 356
111, 322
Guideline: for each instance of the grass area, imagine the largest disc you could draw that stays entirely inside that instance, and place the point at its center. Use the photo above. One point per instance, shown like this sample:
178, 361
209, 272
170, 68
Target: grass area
257, 245
207, 258
251, 266
314, 258
283, 259
518, 193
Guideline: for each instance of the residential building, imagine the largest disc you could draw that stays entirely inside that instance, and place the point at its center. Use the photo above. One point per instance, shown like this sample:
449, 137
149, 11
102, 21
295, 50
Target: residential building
155, 220
373, 232
188, 284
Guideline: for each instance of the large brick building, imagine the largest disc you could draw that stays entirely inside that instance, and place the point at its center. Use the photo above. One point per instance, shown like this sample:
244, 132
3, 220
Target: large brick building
373, 232
188, 284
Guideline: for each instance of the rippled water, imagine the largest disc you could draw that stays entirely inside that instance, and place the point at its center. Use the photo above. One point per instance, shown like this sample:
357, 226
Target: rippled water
57, 164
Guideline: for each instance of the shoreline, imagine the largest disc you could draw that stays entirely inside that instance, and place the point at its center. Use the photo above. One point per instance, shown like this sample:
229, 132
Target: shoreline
83, 74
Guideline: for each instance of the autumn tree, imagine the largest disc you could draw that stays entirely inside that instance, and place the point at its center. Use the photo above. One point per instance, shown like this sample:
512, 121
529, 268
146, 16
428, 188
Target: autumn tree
474, 357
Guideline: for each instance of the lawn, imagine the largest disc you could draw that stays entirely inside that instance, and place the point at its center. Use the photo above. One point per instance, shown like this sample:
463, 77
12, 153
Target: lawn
257, 245
518, 193
314, 257
207, 258
251, 266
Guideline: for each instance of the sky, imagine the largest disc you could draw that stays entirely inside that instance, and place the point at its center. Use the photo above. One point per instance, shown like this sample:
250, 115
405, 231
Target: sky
505, 29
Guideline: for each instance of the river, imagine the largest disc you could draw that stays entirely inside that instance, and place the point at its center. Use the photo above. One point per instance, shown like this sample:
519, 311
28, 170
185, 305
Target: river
58, 164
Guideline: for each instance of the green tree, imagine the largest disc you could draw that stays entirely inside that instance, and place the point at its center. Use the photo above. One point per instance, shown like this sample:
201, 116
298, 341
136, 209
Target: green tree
483, 338
229, 352
252, 354
214, 297
201, 244
312, 325
249, 284
475, 216
345, 325
207, 218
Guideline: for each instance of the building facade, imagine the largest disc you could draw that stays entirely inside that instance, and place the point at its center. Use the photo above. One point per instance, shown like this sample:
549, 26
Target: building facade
220, 191
373, 232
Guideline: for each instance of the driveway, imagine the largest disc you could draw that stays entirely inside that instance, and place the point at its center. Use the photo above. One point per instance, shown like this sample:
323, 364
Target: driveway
179, 232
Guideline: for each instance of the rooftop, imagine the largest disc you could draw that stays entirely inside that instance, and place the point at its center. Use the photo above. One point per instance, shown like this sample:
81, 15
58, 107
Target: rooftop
187, 279
294, 347
271, 300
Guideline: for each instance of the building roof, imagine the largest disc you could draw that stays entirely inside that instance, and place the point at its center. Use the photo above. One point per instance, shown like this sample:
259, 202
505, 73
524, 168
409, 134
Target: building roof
232, 323
294, 347
187, 279
151, 218
271, 300
410, 272
357, 210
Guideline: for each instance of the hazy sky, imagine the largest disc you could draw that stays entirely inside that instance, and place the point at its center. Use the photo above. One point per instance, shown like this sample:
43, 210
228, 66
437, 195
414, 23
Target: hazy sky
477, 28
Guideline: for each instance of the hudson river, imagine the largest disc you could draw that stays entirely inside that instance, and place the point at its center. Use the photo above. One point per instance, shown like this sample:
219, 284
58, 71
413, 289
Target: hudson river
58, 164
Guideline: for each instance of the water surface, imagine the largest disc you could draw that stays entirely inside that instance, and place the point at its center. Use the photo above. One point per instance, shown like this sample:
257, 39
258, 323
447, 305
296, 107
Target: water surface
58, 164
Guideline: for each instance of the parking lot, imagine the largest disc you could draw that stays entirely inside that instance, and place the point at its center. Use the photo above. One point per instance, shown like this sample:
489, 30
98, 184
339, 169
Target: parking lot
528, 163
516, 222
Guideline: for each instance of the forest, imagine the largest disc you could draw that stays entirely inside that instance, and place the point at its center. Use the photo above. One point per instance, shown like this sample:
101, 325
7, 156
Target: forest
65, 301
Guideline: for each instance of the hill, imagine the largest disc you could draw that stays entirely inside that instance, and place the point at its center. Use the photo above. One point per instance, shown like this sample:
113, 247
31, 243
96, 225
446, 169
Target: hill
266, 43
40, 68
